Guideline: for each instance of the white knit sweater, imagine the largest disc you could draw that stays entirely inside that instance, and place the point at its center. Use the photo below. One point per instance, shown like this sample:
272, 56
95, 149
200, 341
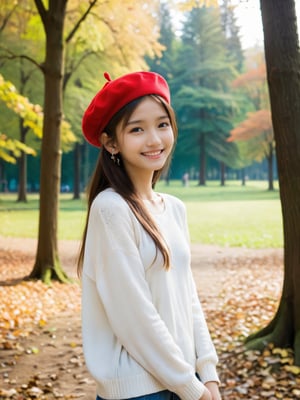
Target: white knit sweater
143, 326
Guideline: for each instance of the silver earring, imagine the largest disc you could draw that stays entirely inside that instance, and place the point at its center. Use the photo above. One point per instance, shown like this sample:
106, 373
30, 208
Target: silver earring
115, 159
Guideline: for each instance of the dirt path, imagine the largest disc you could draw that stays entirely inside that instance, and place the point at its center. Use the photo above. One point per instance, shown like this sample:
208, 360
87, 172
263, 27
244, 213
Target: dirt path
58, 366
205, 259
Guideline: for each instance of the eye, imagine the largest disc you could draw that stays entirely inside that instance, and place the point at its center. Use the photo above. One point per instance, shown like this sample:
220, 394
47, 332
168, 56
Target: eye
164, 124
136, 129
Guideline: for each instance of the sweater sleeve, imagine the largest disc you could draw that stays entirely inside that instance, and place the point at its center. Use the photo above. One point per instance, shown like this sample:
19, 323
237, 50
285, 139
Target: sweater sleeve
205, 350
115, 265
207, 358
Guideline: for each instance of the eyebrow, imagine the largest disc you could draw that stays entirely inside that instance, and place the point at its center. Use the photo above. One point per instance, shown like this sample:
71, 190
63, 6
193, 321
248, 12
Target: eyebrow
138, 121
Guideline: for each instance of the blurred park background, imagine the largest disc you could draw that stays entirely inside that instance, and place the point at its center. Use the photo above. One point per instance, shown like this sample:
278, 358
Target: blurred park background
233, 70
218, 86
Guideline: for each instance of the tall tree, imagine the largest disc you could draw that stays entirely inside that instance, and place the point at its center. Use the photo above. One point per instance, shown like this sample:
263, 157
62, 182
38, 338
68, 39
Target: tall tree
164, 64
234, 53
202, 102
283, 65
24, 130
47, 265
232, 34
22, 48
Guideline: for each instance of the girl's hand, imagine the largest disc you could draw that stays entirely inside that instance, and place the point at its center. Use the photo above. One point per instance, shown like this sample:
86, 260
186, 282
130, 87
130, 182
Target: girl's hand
213, 389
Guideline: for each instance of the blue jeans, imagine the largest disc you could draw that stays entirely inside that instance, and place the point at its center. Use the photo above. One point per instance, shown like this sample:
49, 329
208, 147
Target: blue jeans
163, 395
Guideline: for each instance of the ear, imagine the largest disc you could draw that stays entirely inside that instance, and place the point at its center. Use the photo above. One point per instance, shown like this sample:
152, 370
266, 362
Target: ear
109, 144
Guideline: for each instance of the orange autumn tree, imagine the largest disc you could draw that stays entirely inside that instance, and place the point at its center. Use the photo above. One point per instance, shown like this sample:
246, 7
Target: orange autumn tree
256, 130
254, 82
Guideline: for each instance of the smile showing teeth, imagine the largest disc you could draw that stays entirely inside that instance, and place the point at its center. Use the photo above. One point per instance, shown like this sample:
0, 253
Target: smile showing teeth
153, 153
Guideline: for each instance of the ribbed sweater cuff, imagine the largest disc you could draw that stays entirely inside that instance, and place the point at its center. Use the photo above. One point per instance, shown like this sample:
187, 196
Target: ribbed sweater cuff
208, 373
193, 391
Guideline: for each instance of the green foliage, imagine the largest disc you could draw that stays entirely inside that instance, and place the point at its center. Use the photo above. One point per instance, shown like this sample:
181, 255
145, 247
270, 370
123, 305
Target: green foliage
204, 104
102, 44
200, 65
231, 31
30, 115
164, 65
10, 149
94, 42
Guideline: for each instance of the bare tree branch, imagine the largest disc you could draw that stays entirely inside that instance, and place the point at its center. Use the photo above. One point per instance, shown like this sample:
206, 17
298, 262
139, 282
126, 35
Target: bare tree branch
74, 66
81, 19
13, 56
41, 10
6, 18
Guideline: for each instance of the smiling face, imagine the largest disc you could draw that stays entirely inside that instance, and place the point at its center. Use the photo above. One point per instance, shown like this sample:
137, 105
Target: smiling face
146, 140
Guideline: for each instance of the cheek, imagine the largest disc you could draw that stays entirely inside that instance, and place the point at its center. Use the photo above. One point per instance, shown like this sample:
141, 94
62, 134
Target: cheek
171, 139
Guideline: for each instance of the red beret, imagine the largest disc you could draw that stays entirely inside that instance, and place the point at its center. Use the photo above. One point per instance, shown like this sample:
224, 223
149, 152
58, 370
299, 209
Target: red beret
114, 95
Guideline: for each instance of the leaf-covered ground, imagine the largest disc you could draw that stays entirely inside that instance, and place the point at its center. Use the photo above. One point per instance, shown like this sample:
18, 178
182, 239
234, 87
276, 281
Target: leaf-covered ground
40, 339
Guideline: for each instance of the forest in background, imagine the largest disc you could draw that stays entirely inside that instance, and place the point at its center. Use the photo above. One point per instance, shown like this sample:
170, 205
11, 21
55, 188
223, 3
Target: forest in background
219, 92
205, 106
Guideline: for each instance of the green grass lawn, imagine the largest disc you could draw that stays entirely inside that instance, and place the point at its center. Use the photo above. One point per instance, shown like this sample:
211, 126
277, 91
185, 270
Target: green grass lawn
233, 215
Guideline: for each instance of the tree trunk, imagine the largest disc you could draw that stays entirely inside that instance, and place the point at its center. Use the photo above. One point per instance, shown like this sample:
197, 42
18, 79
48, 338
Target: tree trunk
270, 168
77, 164
222, 173
22, 161
283, 66
243, 176
3, 181
47, 265
86, 166
22, 164
202, 169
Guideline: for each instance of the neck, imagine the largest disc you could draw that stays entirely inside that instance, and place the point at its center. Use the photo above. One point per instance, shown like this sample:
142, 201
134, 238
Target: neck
145, 193
143, 186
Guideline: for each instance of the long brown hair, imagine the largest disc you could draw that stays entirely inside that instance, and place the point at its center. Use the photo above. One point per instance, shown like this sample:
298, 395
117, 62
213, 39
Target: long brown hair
109, 174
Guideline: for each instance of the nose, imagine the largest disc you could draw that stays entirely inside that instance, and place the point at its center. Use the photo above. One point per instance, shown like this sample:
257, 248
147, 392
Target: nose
153, 137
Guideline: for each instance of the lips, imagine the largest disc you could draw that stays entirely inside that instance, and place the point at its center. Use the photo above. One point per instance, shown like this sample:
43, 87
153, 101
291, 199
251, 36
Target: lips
152, 153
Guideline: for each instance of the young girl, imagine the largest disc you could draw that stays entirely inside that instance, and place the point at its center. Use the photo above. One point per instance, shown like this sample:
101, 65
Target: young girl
144, 332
